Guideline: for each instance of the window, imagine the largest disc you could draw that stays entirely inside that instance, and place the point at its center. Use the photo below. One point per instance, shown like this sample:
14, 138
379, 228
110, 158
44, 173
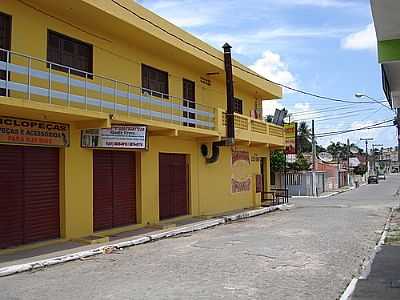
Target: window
69, 52
238, 106
155, 81
189, 98
5, 43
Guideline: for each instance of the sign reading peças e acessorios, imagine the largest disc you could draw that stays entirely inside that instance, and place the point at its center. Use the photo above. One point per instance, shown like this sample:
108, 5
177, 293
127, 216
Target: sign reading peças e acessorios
33, 132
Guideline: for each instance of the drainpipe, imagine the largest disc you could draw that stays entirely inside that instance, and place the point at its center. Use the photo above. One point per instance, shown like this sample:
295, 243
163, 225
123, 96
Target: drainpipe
230, 104
230, 98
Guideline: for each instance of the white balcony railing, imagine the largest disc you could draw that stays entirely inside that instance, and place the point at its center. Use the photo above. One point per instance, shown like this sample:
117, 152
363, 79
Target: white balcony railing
36, 79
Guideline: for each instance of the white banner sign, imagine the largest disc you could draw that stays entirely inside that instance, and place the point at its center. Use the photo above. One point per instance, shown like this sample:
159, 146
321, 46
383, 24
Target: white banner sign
119, 136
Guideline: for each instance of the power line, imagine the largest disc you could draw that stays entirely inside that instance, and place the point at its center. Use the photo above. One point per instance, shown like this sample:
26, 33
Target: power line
317, 111
322, 113
236, 66
373, 126
342, 116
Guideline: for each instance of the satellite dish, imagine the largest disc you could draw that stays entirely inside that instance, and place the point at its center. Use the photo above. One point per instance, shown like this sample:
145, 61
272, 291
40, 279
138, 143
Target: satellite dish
279, 116
354, 150
325, 157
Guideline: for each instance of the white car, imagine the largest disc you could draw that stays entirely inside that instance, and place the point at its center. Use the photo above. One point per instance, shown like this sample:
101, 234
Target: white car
382, 177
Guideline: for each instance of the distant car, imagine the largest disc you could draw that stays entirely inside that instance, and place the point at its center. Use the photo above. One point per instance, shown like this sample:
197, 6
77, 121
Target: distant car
381, 177
373, 179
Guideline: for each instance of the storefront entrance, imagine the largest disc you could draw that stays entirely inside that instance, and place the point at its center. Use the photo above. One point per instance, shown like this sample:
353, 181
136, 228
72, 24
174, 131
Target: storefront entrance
114, 189
173, 192
29, 195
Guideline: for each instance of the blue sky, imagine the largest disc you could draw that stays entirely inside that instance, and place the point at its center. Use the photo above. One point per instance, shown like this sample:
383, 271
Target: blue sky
323, 46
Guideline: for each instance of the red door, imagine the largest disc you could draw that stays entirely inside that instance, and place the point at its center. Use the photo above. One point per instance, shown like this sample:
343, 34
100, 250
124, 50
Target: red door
173, 198
114, 189
29, 195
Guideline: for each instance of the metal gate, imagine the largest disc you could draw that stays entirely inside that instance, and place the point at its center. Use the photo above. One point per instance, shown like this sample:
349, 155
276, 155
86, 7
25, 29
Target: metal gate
173, 192
29, 195
114, 189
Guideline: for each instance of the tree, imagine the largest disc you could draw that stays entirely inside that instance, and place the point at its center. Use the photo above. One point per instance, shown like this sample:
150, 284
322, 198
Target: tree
277, 161
360, 170
304, 138
320, 149
340, 150
301, 164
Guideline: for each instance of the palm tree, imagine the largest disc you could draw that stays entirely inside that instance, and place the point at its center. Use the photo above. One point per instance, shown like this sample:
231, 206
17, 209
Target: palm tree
304, 138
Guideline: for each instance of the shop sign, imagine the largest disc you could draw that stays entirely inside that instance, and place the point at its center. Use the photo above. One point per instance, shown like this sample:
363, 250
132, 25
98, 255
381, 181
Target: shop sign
241, 177
133, 137
290, 138
32, 132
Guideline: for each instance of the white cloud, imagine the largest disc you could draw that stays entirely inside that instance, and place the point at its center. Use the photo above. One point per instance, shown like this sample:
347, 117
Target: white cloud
361, 40
272, 67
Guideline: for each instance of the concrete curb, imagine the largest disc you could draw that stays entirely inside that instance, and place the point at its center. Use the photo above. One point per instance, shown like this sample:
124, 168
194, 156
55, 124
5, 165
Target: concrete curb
330, 194
107, 249
366, 268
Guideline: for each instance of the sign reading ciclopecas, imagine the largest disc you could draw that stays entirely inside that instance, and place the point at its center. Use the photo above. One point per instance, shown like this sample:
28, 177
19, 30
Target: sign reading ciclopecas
32, 132
290, 138
132, 137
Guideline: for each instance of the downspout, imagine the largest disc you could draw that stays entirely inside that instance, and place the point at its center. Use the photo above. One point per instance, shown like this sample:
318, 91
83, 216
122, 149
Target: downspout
230, 104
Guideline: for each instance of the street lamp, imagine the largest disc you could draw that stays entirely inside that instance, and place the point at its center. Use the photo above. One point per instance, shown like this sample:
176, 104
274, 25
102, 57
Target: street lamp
361, 95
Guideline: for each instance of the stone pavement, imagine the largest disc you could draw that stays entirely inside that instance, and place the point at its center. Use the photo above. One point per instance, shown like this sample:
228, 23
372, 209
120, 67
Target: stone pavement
383, 283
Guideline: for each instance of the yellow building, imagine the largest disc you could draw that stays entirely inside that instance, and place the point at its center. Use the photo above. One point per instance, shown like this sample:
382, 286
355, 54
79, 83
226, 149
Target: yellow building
109, 117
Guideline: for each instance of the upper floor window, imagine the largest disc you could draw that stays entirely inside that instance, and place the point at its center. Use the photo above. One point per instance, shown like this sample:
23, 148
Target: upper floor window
155, 81
189, 99
238, 106
69, 52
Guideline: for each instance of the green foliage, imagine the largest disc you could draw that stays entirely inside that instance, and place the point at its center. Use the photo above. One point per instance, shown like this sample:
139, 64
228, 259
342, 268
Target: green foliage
301, 164
304, 138
360, 170
340, 150
277, 161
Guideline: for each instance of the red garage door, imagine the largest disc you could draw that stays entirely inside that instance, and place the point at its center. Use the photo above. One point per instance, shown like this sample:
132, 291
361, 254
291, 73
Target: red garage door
173, 186
29, 195
114, 189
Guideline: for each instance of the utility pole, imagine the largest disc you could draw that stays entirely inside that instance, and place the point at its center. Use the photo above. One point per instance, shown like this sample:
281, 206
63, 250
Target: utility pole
348, 162
374, 155
314, 154
366, 151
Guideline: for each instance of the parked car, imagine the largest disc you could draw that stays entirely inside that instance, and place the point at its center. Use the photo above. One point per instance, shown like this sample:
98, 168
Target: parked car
381, 177
373, 179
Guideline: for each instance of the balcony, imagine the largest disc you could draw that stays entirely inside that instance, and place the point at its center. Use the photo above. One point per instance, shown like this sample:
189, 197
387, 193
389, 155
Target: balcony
40, 85
253, 131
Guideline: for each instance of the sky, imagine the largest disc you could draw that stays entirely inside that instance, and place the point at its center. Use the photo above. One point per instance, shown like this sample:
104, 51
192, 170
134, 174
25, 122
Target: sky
326, 47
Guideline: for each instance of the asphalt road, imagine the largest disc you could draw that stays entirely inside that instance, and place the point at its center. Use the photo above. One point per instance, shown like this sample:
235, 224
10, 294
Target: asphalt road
309, 252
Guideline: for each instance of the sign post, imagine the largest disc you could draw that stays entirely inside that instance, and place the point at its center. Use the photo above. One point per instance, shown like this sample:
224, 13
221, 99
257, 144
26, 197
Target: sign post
290, 144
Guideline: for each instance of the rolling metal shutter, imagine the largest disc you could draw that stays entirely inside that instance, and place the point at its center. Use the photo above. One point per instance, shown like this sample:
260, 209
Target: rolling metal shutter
41, 194
173, 196
114, 189
29, 195
11, 196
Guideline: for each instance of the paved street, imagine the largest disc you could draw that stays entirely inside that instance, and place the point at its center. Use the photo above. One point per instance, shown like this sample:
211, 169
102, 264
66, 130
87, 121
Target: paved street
309, 252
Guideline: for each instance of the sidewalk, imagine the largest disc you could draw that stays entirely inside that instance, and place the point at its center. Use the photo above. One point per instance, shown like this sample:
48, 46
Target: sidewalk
331, 193
383, 282
12, 262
